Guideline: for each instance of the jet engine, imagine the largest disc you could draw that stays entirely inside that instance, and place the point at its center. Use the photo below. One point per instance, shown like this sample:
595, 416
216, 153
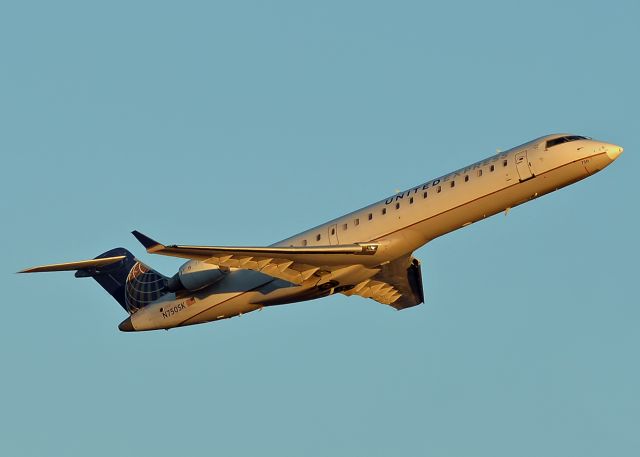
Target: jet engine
195, 275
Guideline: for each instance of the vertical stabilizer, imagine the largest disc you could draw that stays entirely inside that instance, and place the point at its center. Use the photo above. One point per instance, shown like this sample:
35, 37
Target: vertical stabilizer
132, 283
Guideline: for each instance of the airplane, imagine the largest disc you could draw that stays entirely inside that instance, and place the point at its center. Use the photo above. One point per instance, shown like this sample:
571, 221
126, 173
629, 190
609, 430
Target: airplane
368, 252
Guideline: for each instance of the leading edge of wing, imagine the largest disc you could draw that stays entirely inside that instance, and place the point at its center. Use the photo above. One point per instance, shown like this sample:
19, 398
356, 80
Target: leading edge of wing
205, 252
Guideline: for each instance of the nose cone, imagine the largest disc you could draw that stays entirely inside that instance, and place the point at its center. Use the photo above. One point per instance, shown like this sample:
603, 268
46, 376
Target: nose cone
126, 325
613, 151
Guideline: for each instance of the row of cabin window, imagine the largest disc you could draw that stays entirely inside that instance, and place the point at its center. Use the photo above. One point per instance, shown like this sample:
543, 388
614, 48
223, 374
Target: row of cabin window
356, 221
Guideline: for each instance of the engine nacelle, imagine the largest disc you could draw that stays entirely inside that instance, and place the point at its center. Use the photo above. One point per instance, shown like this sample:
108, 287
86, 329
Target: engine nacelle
195, 275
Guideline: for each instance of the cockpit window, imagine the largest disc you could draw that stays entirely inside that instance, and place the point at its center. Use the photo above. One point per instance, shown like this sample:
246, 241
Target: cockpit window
564, 139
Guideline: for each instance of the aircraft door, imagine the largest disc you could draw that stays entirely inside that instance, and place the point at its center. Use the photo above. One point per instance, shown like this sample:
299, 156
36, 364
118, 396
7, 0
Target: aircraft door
522, 165
333, 234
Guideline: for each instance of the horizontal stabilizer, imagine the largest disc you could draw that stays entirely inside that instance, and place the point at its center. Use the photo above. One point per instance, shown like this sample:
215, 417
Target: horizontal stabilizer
132, 283
71, 266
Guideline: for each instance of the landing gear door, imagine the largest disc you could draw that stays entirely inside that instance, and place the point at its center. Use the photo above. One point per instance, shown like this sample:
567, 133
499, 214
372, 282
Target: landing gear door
333, 234
522, 165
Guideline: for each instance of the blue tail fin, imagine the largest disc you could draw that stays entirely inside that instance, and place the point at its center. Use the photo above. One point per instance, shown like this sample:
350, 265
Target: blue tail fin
133, 284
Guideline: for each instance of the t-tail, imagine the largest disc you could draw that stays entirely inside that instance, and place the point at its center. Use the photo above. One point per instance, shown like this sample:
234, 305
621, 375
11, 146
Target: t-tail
132, 283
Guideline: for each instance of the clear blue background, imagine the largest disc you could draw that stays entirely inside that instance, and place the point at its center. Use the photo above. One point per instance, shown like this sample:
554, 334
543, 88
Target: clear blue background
246, 122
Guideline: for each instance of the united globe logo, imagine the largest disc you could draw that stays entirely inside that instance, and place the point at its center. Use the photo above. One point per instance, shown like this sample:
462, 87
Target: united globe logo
143, 286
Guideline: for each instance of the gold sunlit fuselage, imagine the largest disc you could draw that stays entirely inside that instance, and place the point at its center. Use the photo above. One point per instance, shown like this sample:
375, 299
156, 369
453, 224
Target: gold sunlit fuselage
399, 225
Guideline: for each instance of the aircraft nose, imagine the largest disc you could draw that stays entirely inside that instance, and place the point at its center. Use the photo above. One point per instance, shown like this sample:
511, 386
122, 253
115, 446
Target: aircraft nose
126, 325
613, 151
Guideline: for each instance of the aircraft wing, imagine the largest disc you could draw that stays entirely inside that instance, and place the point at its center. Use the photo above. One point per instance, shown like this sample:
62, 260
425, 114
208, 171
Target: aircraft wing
293, 264
398, 284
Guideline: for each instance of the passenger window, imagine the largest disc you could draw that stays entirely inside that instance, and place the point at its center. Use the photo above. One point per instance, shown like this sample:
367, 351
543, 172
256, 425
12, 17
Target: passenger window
345, 226
453, 184
504, 163
411, 201
384, 211
479, 172
397, 205
318, 237
466, 178
304, 242
424, 195
356, 221
333, 230
492, 168
439, 189
370, 216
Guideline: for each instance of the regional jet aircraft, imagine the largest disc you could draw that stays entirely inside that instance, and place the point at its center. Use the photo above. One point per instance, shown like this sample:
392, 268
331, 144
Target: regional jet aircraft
368, 252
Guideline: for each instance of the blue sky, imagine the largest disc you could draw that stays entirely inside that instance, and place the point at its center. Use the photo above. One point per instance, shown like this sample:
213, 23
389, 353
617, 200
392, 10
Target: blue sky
246, 122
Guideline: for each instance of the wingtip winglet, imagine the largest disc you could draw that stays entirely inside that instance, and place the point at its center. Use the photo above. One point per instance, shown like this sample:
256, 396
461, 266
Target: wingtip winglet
148, 243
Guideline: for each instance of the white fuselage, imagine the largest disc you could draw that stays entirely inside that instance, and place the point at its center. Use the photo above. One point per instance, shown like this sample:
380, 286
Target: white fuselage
399, 224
